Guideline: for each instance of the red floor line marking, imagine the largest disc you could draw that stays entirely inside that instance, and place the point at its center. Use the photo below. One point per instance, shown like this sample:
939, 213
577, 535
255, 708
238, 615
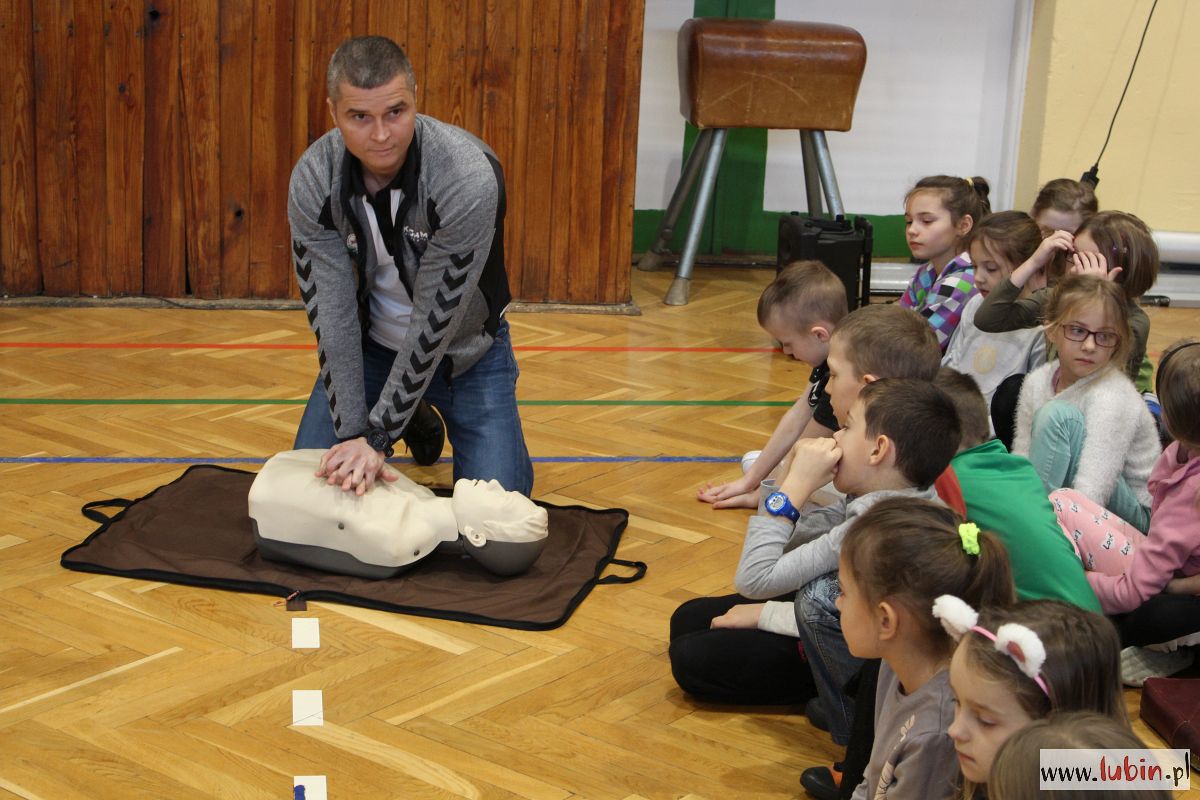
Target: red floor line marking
153, 346
256, 346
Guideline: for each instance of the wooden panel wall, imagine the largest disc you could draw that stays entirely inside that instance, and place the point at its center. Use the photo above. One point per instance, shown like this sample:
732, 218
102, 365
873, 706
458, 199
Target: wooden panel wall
145, 147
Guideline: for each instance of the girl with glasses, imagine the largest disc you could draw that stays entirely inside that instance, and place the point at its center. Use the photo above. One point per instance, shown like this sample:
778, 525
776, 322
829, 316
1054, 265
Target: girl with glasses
1080, 419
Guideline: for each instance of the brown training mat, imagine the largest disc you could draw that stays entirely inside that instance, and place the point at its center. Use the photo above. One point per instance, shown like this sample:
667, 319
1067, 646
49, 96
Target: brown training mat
196, 530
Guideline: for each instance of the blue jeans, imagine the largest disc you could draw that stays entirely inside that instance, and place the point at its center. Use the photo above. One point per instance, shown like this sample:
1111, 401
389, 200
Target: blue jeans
828, 656
479, 407
1056, 442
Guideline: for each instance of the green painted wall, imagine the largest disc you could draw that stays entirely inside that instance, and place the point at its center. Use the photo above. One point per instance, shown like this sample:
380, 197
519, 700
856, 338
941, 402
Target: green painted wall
761, 233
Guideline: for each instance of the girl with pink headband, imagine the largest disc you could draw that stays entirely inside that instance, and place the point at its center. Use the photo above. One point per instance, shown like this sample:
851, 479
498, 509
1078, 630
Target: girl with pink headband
1015, 665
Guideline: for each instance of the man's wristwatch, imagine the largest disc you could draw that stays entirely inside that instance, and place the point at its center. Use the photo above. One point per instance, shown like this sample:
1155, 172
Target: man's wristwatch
778, 505
379, 440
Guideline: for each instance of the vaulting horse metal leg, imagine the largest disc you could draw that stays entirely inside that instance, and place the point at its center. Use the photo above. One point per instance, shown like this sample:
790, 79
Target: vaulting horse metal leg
833, 197
677, 295
652, 258
812, 178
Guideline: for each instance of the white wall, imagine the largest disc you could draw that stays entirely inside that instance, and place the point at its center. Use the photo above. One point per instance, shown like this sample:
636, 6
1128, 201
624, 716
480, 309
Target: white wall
935, 98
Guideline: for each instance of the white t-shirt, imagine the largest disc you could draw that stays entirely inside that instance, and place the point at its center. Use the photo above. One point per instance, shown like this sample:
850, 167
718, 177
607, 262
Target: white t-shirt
989, 358
390, 303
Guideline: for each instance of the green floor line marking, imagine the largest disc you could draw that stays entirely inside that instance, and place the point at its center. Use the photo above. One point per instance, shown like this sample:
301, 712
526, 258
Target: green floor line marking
217, 401
655, 402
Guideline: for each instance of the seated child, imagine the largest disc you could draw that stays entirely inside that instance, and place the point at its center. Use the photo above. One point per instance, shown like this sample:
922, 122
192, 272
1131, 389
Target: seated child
903, 433
886, 612
1015, 665
939, 212
799, 309
1063, 204
728, 650
1128, 571
1002, 493
1111, 244
1079, 418
998, 243
1016, 772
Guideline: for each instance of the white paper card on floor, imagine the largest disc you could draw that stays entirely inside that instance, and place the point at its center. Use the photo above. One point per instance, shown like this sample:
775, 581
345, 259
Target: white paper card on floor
306, 633
307, 707
313, 787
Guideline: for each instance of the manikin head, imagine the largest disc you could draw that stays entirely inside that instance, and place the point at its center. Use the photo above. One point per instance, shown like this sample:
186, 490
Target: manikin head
504, 531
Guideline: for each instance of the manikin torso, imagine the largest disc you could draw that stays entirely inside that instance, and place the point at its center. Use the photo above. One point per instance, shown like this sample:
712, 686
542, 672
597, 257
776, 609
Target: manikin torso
395, 523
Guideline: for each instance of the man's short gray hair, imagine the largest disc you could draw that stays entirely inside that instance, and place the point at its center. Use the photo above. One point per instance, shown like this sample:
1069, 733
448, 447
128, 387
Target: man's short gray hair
366, 62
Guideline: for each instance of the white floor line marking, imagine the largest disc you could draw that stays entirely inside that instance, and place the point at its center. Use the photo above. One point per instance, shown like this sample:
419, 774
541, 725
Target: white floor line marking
307, 708
306, 633
309, 787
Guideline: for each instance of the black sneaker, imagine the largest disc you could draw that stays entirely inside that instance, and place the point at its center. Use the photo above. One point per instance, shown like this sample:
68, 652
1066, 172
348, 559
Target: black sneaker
425, 435
821, 783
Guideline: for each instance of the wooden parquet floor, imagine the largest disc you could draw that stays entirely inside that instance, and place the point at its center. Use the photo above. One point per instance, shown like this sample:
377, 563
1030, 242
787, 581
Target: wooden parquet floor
118, 688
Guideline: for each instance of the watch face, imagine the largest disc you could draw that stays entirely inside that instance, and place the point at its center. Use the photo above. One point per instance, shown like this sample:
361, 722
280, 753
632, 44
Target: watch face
776, 501
377, 440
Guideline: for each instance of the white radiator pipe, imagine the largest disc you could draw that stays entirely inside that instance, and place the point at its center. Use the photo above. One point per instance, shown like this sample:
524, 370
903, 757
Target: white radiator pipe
1177, 247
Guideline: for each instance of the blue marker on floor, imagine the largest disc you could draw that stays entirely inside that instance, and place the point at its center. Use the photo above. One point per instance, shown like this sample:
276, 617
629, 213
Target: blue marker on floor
298, 792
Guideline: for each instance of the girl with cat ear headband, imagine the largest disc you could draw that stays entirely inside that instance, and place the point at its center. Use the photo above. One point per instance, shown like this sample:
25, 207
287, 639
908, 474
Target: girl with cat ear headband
1017, 664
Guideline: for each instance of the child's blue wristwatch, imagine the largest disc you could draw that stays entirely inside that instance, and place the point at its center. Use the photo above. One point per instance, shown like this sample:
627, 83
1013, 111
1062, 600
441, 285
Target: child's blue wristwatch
778, 505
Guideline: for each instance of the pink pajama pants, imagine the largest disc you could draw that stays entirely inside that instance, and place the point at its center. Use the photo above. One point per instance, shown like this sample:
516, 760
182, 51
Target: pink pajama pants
1103, 541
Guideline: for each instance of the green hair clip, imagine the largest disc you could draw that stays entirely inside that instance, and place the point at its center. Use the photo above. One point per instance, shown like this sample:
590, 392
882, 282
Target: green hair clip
969, 533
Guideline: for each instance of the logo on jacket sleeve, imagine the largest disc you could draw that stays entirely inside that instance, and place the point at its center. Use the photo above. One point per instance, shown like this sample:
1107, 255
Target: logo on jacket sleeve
352, 244
417, 237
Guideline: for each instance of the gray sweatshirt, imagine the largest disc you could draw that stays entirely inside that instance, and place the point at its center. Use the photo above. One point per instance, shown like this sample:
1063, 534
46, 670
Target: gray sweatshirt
778, 557
450, 195
913, 756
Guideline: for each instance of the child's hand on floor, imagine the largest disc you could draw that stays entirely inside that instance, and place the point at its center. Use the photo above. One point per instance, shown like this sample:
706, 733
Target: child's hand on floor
742, 493
814, 462
745, 615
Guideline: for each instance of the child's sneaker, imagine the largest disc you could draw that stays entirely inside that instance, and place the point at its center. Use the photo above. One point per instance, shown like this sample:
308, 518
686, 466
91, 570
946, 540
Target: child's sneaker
822, 783
1139, 663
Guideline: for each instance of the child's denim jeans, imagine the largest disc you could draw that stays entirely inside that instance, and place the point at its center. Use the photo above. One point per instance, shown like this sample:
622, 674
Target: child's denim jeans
828, 656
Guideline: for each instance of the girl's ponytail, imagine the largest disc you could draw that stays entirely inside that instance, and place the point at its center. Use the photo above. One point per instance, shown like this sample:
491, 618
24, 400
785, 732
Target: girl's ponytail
982, 190
991, 580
